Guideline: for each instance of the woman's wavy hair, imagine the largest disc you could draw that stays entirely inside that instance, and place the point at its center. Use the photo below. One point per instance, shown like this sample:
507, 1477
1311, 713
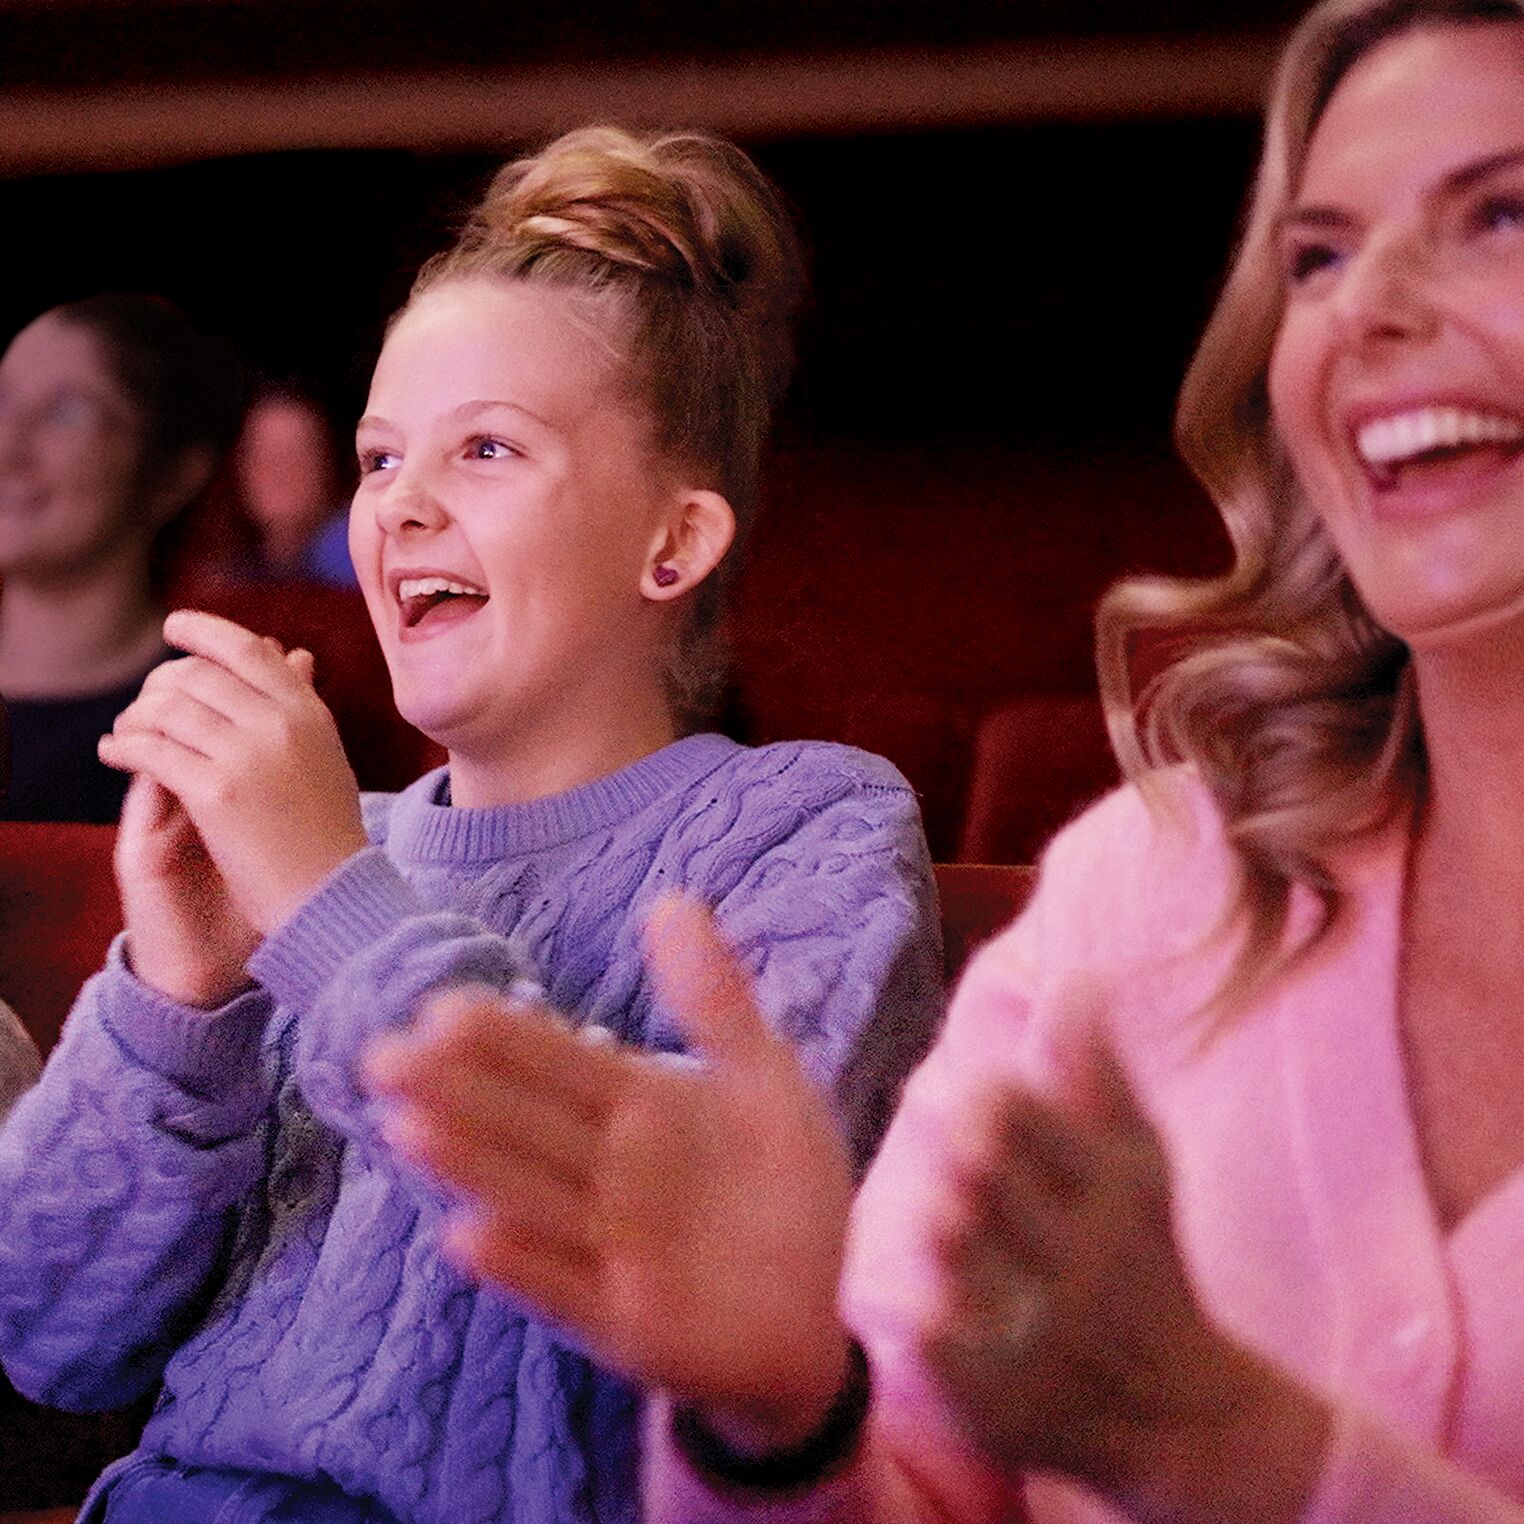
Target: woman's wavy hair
1295, 708
692, 248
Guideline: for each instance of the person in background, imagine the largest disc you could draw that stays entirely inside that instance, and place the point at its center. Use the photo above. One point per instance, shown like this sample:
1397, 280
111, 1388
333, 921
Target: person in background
558, 457
1208, 1205
114, 414
289, 489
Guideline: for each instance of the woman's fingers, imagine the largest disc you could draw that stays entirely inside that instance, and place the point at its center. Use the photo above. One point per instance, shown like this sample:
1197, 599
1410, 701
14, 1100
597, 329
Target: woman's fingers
477, 1029
705, 986
566, 1286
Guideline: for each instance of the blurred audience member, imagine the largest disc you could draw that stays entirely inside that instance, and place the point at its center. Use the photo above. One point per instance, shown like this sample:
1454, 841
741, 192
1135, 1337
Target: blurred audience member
290, 478
114, 414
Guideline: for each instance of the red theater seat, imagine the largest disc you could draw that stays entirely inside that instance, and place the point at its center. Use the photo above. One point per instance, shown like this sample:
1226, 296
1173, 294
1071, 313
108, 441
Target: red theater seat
1038, 761
58, 914
978, 900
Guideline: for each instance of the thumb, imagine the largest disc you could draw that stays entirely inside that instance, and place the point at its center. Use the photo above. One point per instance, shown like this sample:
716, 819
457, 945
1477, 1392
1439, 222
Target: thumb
147, 807
703, 984
302, 662
1101, 1088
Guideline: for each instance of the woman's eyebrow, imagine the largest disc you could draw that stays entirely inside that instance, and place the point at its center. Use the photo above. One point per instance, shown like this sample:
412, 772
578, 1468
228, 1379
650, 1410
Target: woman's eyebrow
1325, 218
1469, 175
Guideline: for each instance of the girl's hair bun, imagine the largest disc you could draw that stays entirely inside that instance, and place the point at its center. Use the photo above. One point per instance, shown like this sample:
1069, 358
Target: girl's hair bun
689, 250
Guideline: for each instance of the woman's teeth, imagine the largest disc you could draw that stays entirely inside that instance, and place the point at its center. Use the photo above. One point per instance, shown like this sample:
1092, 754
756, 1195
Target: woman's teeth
1390, 442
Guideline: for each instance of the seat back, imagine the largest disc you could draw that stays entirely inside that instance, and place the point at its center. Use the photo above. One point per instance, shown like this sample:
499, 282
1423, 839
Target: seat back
978, 900
1038, 761
58, 913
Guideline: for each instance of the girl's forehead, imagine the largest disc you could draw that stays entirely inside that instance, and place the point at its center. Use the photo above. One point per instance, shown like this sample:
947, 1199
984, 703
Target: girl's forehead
488, 340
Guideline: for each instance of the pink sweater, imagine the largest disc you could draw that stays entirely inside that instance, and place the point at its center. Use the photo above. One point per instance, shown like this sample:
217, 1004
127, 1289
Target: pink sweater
1301, 1205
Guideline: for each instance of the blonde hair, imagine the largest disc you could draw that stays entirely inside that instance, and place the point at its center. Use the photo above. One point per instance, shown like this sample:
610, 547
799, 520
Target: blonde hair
687, 247
1295, 708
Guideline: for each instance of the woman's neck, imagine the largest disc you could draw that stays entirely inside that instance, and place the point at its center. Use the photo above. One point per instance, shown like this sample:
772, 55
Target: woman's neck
1471, 698
86, 635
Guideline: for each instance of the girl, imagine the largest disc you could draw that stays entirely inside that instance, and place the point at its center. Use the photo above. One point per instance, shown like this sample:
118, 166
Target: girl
558, 455
1290, 969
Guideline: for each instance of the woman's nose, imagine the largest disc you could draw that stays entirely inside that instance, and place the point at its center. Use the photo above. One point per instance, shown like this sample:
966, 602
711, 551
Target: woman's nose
1387, 293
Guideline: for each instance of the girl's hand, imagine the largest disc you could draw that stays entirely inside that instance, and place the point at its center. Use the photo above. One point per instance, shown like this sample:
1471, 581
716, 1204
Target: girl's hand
1069, 1338
236, 732
684, 1218
186, 937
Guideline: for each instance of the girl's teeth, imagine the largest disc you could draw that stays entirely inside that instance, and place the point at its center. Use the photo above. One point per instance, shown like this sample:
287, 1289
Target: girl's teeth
427, 587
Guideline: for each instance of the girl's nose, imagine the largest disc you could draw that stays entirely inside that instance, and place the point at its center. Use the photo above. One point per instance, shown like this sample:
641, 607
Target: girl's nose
410, 507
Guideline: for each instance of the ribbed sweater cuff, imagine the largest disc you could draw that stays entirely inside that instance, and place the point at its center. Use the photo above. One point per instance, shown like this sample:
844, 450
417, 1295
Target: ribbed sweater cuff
362, 900
201, 1051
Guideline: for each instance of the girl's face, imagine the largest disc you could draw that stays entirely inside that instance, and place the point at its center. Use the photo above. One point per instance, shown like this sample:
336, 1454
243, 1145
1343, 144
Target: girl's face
507, 504
1397, 376
70, 456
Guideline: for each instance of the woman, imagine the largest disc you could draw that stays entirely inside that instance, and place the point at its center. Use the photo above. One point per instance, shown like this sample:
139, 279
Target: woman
559, 451
289, 485
114, 414
1294, 977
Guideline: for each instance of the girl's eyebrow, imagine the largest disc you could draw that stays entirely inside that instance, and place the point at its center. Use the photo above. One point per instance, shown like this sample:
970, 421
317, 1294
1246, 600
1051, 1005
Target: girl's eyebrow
466, 410
1457, 181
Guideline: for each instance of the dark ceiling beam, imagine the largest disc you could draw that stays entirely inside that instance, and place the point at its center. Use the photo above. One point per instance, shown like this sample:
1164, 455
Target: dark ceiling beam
1060, 79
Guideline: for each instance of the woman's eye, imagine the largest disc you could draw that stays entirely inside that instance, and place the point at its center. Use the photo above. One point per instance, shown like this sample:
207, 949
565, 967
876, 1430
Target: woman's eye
1501, 214
1305, 260
372, 461
68, 412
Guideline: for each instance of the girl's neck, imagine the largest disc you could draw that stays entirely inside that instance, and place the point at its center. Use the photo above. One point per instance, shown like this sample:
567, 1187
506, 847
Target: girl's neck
87, 634
563, 752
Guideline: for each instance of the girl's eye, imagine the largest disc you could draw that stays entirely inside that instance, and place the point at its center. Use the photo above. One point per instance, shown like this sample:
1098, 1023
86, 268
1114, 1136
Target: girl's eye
372, 461
485, 448
1305, 260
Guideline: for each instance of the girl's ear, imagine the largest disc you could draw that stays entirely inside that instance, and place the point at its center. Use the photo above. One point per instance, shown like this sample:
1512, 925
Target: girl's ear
688, 545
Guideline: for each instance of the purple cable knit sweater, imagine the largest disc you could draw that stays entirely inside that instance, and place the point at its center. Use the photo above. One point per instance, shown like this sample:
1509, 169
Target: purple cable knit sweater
203, 1198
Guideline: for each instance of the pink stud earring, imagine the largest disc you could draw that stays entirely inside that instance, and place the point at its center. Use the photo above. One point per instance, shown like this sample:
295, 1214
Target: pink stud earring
665, 576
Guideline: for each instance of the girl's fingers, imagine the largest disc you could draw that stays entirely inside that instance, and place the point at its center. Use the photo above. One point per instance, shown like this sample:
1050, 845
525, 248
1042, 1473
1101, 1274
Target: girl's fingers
212, 685
704, 985
180, 717
1013, 1123
257, 659
181, 770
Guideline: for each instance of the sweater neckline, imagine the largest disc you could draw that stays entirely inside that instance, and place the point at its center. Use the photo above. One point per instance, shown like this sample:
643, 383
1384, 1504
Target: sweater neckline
422, 829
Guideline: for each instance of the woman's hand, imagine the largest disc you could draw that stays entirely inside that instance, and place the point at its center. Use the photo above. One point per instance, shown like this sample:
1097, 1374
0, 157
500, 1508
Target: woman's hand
684, 1218
1069, 1338
186, 938
237, 734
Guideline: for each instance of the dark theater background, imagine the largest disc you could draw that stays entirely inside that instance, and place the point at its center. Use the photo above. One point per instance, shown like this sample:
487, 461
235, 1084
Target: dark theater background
1017, 215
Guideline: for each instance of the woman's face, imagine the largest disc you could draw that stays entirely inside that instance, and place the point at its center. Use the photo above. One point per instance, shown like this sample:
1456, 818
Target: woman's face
285, 472
70, 456
1397, 376
507, 503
